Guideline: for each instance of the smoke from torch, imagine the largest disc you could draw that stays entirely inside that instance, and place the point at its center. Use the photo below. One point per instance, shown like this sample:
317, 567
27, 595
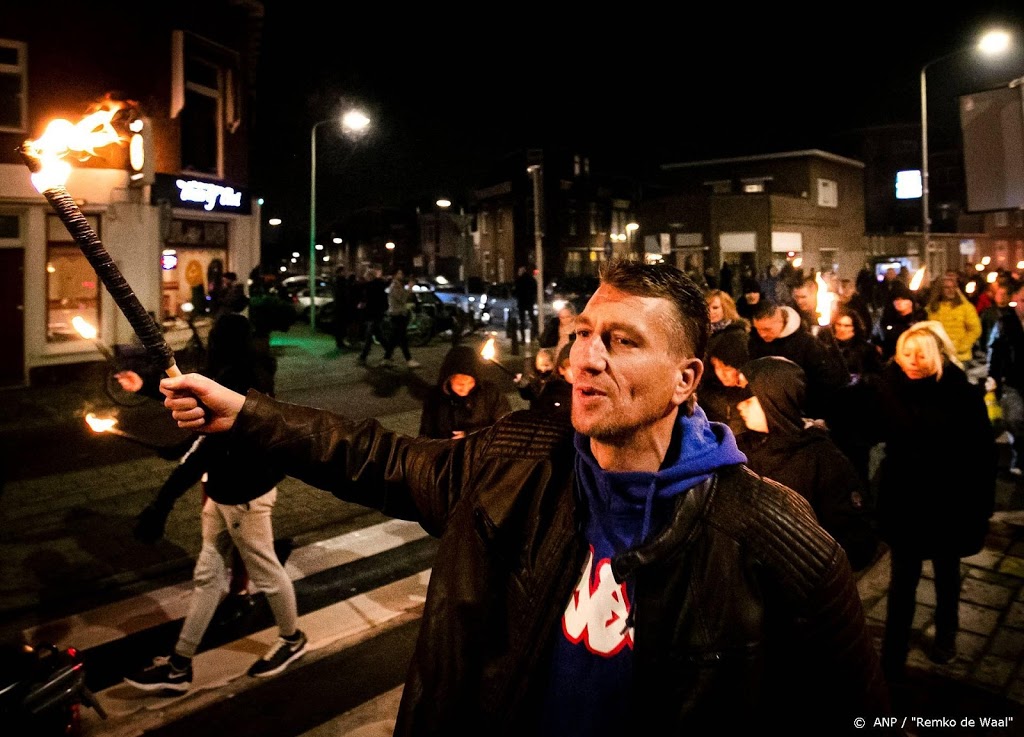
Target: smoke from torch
45, 159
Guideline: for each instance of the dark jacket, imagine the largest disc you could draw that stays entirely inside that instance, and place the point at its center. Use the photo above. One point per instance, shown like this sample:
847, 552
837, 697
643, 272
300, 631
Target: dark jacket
1006, 351
548, 393
445, 412
741, 603
728, 345
891, 325
937, 479
233, 476
806, 459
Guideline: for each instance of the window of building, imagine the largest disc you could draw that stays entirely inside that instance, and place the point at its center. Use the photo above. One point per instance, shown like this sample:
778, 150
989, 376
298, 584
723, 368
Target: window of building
828, 193
483, 220
593, 218
13, 86
501, 220
10, 226
719, 186
570, 218
754, 185
577, 167
829, 260
72, 287
1001, 219
207, 99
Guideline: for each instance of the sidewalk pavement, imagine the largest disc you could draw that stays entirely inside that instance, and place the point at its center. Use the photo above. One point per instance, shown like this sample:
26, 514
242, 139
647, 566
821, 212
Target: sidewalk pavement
66, 543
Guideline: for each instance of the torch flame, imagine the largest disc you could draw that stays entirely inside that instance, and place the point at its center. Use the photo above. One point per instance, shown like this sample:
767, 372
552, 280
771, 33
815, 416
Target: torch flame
63, 137
915, 283
99, 424
84, 329
826, 298
488, 351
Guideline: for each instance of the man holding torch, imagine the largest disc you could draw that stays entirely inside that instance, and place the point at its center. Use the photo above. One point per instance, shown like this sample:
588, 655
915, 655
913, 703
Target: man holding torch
624, 573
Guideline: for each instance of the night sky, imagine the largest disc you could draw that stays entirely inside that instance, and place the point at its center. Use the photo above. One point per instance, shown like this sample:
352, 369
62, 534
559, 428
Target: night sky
452, 90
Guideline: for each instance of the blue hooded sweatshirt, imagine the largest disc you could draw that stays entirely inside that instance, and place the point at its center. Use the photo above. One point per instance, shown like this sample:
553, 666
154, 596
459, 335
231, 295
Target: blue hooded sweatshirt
591, 666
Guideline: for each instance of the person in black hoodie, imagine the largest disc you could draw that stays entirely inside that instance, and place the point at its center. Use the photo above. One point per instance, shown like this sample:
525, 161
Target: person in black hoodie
784, 446
463, 400
241, 489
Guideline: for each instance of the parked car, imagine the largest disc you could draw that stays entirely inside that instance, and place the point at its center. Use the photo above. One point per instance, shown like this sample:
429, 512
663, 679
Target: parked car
301, 299
498, 304
470, 300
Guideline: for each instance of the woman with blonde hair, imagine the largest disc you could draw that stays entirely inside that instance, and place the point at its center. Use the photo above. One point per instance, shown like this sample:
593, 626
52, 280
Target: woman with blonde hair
936, 484
722, 311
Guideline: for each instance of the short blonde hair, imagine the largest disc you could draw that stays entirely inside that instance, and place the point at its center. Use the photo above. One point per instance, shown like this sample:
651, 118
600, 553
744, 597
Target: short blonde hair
931, 339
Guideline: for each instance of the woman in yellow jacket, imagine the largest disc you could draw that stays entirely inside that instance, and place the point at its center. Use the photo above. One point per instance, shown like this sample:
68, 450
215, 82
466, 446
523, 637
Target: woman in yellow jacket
950, 307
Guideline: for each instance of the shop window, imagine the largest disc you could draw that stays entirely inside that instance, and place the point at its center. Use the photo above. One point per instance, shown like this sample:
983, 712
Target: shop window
195, 255
72, 287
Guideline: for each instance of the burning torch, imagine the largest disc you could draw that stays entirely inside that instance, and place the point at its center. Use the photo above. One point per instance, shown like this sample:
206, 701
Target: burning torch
45, 159
488, 352
917, 279
823, 306
88, 332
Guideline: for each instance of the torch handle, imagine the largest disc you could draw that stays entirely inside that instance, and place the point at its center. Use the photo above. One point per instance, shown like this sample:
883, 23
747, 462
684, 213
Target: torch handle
90, 244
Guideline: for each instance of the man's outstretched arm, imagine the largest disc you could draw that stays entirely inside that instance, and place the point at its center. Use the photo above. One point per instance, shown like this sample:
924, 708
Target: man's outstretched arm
200, 403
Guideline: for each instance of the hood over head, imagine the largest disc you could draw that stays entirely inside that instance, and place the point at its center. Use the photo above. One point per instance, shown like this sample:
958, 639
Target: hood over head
781, 387
461, 359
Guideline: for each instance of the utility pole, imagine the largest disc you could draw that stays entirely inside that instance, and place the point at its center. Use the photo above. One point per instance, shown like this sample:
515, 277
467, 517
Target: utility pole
534, 171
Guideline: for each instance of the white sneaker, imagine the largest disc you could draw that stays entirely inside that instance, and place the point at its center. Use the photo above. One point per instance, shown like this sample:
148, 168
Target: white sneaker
1014, 471
413, 363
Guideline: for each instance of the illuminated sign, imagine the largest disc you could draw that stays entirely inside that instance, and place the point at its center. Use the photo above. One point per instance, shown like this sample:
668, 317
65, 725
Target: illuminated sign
200, 194
908, 184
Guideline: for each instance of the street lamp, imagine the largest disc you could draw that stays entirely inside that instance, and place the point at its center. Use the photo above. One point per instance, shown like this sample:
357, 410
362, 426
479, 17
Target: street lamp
538, 240
353, 123
992, 42
442, 204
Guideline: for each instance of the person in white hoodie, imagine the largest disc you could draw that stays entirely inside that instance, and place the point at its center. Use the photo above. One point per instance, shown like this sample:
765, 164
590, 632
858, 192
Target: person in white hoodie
778, 331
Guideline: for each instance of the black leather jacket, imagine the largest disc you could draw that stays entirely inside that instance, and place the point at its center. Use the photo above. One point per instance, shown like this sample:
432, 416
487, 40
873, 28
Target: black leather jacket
746, 613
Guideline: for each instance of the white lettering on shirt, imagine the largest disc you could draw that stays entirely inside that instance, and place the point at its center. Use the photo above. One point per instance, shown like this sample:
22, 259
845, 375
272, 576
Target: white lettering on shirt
597, 611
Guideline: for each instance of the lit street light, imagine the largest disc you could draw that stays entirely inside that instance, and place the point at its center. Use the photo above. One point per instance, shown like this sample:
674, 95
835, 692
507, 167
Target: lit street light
353, 123
991, 43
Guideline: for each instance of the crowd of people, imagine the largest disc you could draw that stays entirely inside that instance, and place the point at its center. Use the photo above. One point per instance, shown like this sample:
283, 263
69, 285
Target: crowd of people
670, 533
852, 400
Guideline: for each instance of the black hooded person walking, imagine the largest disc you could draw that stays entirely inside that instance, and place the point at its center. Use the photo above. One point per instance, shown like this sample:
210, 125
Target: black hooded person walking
784, 446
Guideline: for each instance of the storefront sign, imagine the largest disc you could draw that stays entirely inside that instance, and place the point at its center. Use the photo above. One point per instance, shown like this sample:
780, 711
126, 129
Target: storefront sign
200, 194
